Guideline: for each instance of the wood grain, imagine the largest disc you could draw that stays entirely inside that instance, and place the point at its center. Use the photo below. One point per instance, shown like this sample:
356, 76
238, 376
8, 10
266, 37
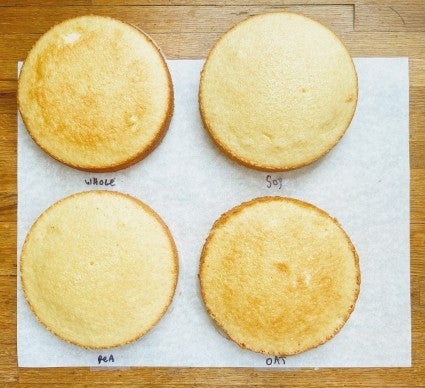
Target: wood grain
391, 17
188, 29
8, 298
158, 19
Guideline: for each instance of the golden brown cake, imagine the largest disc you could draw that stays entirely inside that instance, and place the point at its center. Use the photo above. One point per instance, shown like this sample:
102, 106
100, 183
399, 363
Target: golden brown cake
95, 93
99, 269
277, 91
279, 276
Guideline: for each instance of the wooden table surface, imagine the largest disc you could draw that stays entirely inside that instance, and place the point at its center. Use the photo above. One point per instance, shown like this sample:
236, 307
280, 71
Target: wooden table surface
187, 29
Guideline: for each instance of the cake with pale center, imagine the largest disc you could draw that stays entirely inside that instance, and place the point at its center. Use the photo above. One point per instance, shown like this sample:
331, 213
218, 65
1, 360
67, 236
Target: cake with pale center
99, 269
95, 93
277, 91
279, 276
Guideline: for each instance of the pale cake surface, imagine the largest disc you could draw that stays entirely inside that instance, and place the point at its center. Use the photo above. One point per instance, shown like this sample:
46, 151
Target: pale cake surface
95, 93
99, 269
277, 91
279, 276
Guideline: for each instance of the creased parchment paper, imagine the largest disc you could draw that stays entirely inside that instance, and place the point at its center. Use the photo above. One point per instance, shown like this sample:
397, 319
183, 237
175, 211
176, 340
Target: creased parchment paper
363, 182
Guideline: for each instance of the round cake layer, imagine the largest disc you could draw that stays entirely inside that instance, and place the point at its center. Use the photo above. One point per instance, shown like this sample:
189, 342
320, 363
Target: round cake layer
95, 93
279, 276
277, 91
99, 269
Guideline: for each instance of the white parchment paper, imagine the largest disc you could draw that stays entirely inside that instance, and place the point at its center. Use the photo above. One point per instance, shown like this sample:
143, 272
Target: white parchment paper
363, 182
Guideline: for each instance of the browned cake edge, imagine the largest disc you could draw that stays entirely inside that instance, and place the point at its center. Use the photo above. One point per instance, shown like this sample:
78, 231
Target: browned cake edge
247, 163
237, 209
148, 210
155, 141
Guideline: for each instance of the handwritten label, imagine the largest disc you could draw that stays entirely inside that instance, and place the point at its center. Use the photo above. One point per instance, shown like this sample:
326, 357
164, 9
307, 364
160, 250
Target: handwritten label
105, 359
99, 182
276, 360
274, 182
